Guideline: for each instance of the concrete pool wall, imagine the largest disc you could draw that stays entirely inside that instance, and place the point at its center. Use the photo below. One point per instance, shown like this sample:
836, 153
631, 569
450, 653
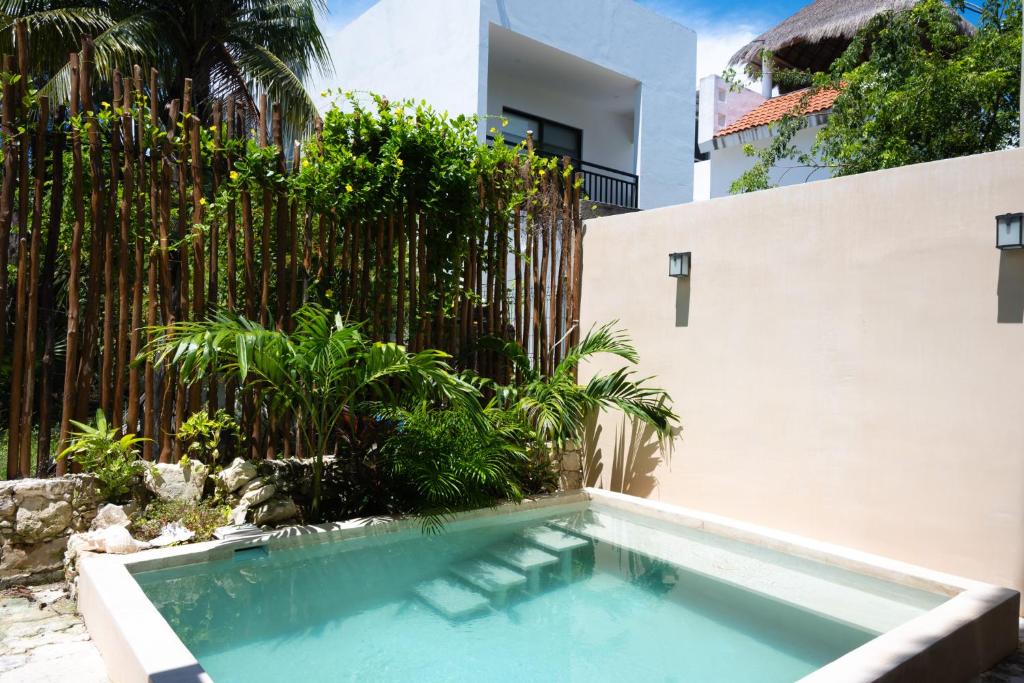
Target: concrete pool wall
960, 638
844, 358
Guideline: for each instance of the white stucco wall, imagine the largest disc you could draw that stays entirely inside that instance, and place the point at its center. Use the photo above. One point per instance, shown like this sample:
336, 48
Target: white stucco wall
716, 113
636, 42
841, 357
438, 50
702, 181
607, 135
729, 163
419, 49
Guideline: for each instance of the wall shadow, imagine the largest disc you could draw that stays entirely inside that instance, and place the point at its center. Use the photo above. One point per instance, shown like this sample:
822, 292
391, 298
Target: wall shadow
1010, 290
683, 302
637, 453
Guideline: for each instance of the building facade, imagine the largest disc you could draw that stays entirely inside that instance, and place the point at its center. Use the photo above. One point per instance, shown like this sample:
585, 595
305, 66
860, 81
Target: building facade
606, 82
730, 120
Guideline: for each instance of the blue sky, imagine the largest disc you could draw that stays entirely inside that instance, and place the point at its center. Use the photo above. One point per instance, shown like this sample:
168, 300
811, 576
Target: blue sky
722, 26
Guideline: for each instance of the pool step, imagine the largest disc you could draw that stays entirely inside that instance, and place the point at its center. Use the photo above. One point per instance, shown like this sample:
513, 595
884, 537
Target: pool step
491, 578
526, 558
451, 598
558, 542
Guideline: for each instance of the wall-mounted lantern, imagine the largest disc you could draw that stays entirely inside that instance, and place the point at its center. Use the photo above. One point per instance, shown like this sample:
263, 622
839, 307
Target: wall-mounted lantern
679, 264
1010, 231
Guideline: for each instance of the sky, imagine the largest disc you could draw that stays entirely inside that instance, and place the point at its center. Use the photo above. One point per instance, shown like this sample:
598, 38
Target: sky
722, 26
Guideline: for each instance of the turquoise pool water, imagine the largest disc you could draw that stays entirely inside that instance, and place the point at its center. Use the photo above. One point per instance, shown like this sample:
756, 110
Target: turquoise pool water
469, 605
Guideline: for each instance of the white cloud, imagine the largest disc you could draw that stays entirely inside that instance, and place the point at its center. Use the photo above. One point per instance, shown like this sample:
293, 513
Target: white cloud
715, 45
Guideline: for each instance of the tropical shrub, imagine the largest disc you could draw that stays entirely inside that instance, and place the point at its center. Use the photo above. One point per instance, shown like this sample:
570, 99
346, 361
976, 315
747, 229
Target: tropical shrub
443, 461
554, 408
205, 436
202, 517
102, 451
324, 373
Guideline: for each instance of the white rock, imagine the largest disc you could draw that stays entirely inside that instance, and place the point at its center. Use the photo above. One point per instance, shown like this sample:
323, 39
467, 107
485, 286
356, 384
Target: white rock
110, 515
172, 533
275, 510
113, 539
239, 514
177, 482
257, 491
39, 518
237, 475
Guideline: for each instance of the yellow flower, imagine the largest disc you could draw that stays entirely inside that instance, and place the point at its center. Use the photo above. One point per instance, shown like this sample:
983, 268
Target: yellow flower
400, 163
543, 172
202, 201
234, 175
348, 188
305, 162
493, 129
213, 129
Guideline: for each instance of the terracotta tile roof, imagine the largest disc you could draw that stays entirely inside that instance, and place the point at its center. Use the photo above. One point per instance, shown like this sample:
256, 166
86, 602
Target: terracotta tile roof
774, 109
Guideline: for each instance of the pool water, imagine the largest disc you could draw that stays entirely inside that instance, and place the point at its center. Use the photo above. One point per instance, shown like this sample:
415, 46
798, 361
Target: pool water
537, 596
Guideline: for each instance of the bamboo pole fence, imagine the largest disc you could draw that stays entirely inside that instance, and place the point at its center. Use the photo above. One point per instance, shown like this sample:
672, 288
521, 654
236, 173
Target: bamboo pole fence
107, 229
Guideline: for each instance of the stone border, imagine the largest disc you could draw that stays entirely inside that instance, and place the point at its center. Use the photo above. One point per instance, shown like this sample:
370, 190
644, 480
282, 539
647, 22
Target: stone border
959, 639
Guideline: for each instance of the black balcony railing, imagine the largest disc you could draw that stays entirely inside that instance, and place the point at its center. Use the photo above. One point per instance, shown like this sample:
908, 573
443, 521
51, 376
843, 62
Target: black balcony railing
603, 184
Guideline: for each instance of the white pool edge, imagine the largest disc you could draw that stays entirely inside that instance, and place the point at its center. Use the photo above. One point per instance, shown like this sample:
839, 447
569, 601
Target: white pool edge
959, 639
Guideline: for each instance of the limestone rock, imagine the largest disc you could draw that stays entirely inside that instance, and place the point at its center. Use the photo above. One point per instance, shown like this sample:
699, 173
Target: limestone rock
40, 518
112, 539
239, 514
110, 515
274, 511
177, 482
7, 509
172, 534
257, 491
237, 475
19, 562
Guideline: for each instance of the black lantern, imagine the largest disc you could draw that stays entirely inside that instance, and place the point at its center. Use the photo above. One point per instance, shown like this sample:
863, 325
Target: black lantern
1010, 231
679, 264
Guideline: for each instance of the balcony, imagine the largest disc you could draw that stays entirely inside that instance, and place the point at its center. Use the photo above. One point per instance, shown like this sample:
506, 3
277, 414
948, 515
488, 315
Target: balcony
601, 184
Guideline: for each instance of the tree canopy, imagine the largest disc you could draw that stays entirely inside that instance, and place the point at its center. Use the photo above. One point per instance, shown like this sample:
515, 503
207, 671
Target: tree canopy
229, 48
914, 88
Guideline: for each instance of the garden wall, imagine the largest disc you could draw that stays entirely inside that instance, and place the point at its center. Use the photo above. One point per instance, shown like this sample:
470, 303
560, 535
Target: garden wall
845, 358
36, 518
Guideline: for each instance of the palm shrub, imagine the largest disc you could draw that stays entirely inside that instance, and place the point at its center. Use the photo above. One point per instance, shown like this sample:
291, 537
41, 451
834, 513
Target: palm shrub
555, 408
442, 461
322, 374
107, 454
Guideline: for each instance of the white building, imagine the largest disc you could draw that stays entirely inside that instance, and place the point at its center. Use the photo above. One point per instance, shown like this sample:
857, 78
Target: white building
729, 120
606, 82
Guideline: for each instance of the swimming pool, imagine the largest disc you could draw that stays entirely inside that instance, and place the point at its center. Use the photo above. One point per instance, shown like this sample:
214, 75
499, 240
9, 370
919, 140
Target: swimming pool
591, 587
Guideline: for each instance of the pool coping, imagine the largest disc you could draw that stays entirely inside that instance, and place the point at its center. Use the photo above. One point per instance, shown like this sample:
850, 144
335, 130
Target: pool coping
959, 639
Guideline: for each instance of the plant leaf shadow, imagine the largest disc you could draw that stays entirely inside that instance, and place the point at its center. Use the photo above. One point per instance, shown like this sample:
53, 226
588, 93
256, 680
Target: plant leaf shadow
1010, 289
638, 451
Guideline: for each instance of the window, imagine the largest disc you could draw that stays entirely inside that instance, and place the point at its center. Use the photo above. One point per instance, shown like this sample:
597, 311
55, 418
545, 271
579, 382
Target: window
721, 120
549, 137
721, 94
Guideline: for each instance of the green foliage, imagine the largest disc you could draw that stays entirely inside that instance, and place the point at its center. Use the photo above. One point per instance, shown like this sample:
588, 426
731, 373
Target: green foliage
914, 88
108, 455
927, 91
554, 408
202, 517
443, 461
204, 436
320, 373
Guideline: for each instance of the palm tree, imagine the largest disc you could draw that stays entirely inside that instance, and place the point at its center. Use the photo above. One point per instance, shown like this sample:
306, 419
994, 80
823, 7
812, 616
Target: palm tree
556, 407
229, 48
322, 373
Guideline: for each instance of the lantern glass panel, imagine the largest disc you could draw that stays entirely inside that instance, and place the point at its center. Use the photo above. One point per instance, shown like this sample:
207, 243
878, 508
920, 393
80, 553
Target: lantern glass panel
1009, 231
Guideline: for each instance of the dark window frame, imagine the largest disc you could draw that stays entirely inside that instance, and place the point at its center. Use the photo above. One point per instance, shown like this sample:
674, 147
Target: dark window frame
538, 137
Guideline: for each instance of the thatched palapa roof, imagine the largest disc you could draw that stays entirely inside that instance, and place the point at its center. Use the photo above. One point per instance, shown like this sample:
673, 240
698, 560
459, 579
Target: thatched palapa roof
816, 35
